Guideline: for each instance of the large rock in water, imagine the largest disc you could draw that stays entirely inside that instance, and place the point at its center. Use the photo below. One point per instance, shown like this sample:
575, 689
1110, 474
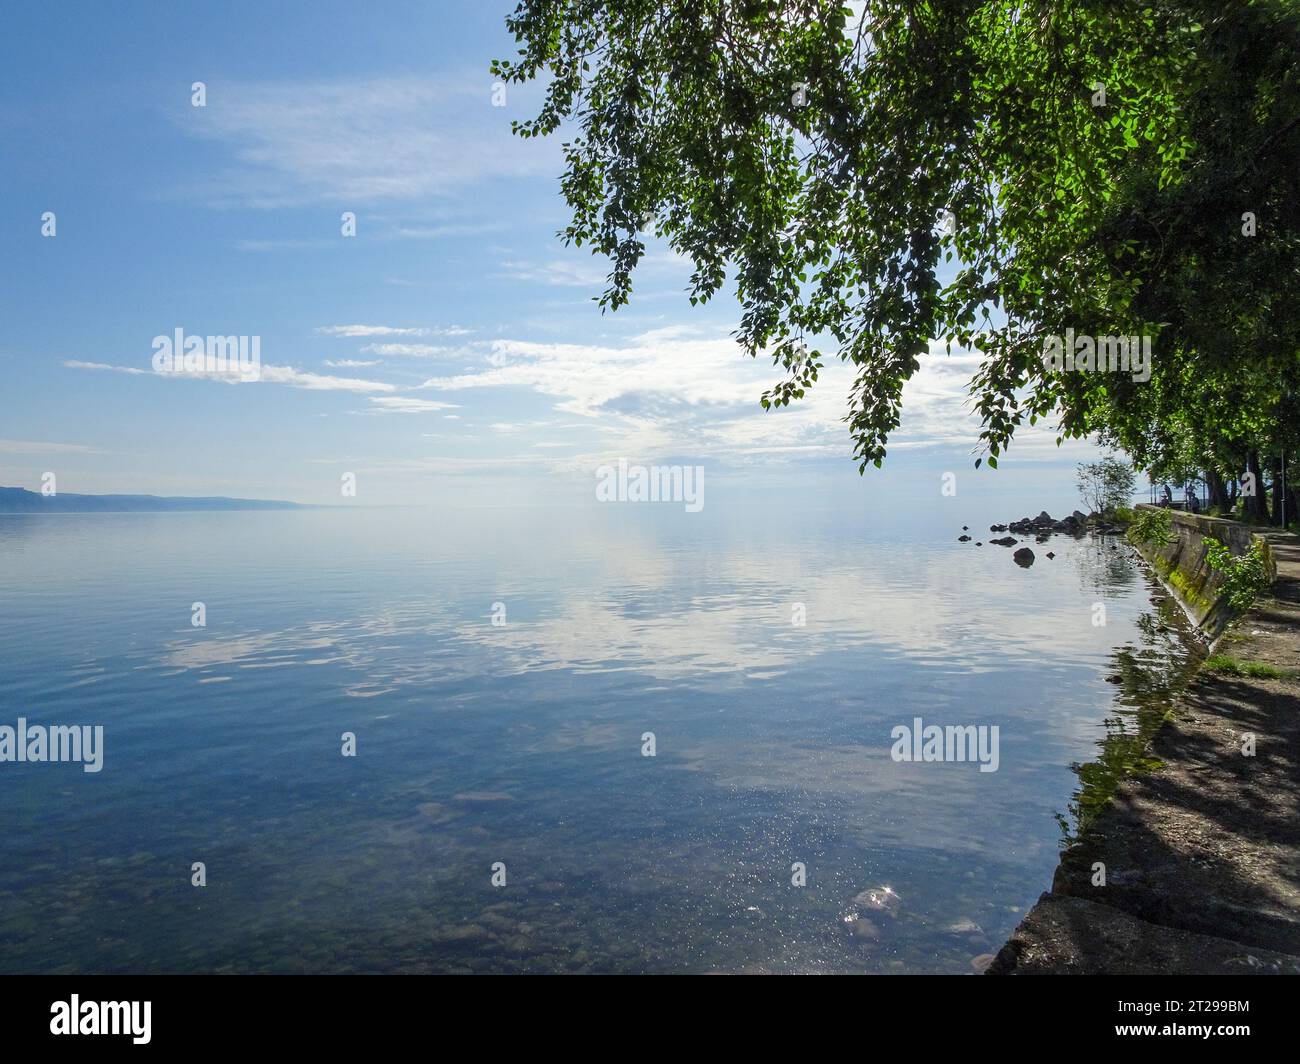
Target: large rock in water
1024, 557
1005, 541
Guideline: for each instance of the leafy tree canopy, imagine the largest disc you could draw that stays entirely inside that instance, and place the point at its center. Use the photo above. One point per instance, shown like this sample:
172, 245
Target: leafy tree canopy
1079, 164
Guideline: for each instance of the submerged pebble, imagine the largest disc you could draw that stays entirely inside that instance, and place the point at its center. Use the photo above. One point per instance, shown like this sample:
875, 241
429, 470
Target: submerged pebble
880, 899
861, 927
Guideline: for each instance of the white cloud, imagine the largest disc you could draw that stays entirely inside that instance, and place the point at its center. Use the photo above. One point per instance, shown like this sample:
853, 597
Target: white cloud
361, 141
560, 272
39, 447
401, 404
442, 232
287, 375
319, 382
73, 363
368, 330
413, 350
679, 391
391, 330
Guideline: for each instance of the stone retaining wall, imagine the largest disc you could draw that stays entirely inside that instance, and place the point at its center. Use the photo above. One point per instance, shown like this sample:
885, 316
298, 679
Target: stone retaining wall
1183, 566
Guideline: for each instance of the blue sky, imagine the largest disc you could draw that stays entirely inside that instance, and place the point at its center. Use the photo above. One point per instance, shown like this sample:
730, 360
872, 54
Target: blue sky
452, 345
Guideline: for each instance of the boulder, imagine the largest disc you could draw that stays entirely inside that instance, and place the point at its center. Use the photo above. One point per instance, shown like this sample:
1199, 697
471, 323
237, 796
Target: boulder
1024, 557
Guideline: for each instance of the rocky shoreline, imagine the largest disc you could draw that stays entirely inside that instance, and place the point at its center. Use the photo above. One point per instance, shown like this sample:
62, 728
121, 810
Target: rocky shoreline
1042, 528
1194, 865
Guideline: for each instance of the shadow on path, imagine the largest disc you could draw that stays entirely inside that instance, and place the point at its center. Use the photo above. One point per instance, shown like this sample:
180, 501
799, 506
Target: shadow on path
1193, 866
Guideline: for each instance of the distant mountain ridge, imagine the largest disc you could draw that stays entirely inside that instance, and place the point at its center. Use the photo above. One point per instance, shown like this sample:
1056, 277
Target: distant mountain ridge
22, 501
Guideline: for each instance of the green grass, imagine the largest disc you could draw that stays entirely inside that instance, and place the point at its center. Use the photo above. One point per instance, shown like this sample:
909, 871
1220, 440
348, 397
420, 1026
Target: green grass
1236, 667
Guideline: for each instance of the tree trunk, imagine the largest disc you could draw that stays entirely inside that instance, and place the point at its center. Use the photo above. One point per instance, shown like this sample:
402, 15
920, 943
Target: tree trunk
1256, 507
1277, 491
1219, 503
1290, 515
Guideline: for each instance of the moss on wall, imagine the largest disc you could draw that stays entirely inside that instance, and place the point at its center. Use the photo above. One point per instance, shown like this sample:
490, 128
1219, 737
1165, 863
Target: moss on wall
1183, 565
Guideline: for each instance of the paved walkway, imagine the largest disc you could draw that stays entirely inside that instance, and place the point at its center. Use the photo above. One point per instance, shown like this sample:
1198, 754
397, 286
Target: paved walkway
1202, 856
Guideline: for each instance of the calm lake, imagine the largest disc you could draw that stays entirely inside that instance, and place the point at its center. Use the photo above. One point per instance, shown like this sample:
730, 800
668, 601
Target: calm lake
523, 743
